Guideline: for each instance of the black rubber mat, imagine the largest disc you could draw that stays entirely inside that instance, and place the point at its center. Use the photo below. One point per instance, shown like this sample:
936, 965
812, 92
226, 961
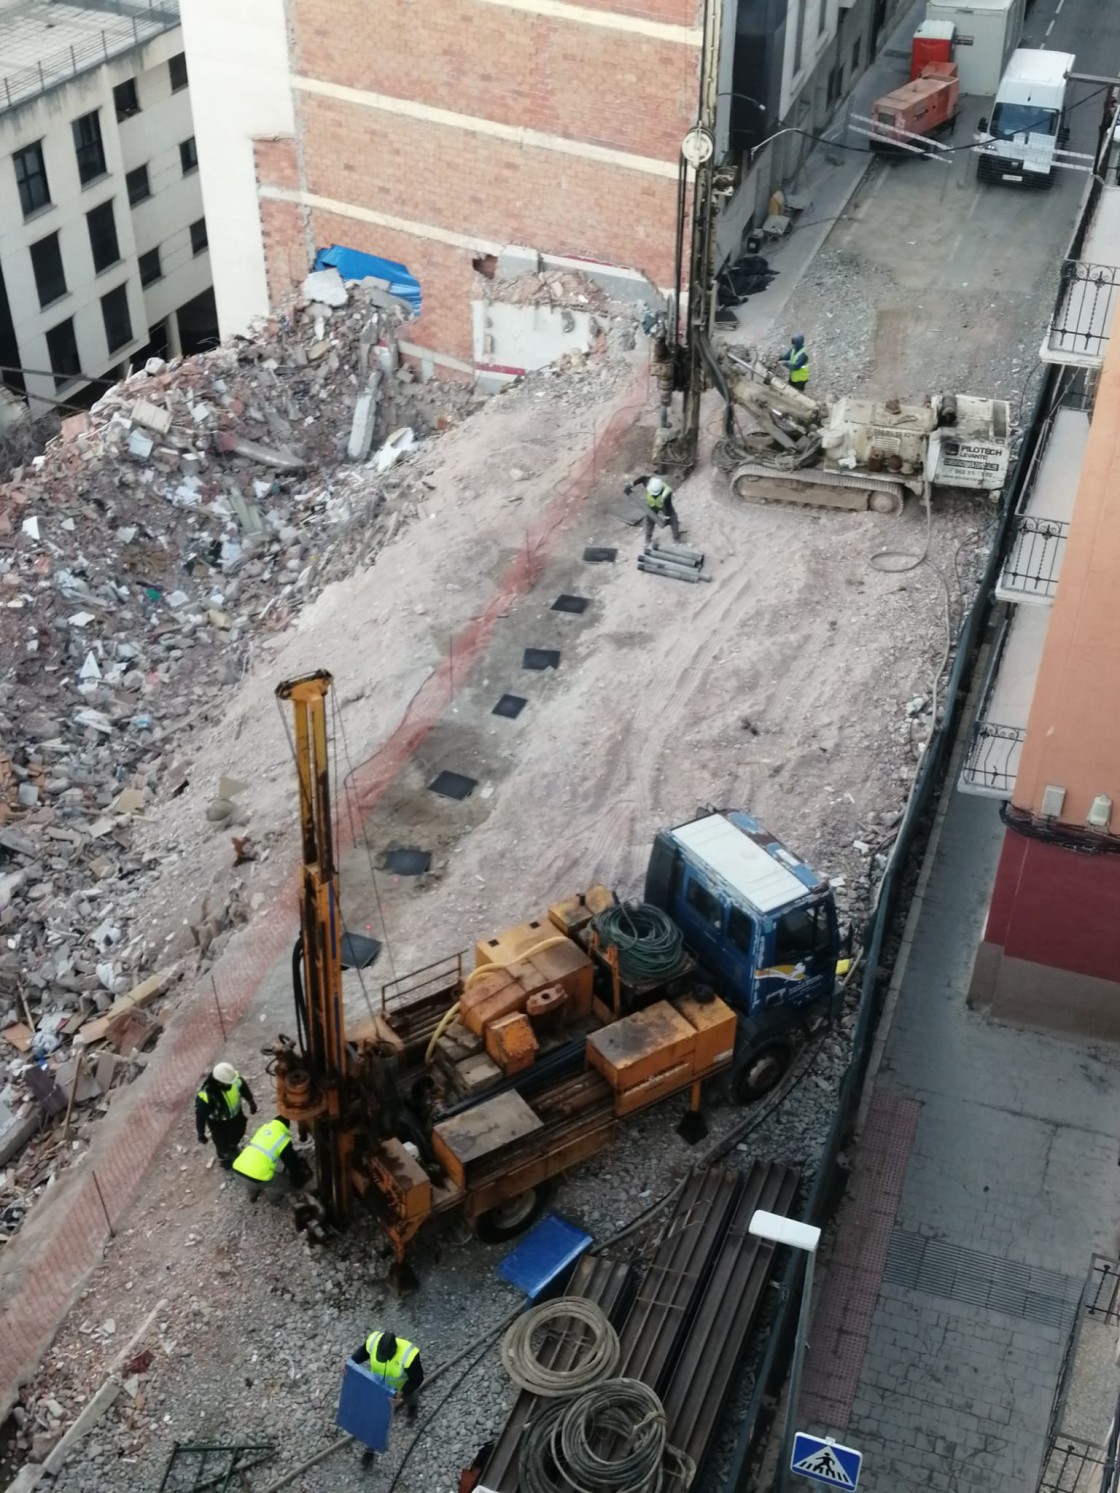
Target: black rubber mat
541, 658
574, 604
510, 706
600, 554
358, 951
407, 861
453, 785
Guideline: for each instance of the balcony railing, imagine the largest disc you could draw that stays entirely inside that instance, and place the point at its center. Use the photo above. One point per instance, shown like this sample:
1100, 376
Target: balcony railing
139, 21
1034, 558
993, 758
1082, 320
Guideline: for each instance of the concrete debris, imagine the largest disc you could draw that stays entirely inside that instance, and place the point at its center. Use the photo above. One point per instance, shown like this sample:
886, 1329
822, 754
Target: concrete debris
199, 503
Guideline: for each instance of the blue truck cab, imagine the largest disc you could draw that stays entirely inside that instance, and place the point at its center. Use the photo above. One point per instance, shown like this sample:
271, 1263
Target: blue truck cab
761, 924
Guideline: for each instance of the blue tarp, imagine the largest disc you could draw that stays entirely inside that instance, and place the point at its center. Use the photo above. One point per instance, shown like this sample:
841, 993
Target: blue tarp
353, 265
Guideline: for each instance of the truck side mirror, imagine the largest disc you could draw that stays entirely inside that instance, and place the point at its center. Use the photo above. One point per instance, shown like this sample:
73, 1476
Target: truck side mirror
982, 124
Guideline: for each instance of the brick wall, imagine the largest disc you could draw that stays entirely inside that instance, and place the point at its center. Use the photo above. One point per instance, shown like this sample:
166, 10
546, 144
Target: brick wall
284, 229
591, 85
566, 78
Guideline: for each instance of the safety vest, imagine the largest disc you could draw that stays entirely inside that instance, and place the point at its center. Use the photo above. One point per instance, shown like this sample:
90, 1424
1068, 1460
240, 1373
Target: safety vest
799, 367
657, 501
227, 1099
259, 1158
391, 1374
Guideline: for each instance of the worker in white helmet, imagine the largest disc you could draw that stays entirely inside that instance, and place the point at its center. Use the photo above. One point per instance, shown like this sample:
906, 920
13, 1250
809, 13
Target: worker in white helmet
659, 504
218, 1105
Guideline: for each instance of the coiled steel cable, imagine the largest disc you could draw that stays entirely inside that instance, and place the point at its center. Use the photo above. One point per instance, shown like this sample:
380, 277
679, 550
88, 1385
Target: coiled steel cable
649, 943
599, 1361
611, 1439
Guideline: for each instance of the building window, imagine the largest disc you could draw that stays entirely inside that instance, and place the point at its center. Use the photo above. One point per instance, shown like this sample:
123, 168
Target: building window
855, 55
139, 189
63, 352
798, 28
126, 100
114, 313
31, 178
198, 236
150, 268
88, 147
822, 16
188, 156
177, 67
103, 236
46, 261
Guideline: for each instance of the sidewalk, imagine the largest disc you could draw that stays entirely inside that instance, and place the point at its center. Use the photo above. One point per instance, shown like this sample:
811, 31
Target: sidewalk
985, 1178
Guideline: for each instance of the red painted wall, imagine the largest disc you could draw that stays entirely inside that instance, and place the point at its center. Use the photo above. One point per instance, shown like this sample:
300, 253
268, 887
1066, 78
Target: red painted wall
1058, 908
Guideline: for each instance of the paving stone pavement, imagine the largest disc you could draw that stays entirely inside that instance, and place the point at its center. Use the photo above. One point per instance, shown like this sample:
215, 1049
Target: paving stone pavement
936, 1351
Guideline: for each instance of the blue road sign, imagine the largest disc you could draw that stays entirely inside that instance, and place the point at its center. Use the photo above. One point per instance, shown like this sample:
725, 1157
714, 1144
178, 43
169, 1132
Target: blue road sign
824, 1461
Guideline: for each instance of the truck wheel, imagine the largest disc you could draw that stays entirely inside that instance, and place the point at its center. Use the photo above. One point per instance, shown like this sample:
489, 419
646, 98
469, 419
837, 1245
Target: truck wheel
761, 1070
513, 1217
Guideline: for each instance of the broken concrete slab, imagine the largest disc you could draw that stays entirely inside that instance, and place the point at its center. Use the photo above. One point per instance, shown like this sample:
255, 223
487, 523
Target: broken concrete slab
16, 1134
363, 424
151, 416
326, 286
283, 460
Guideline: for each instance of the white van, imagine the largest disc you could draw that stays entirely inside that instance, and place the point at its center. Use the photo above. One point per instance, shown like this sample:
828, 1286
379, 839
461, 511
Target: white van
1028, 122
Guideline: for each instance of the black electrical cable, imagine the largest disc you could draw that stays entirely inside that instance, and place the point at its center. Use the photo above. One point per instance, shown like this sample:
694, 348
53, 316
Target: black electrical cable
1085, 841
649, 943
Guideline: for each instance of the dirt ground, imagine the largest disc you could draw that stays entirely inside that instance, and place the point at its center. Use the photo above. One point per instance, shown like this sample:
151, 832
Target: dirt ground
792, 684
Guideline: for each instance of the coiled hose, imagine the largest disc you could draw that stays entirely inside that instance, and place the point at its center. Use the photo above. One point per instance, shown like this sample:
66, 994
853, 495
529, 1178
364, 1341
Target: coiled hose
649, 943
611, 1439
519, 1356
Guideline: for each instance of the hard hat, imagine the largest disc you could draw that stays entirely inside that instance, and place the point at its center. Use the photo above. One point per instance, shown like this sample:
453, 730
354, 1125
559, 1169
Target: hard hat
225, 1073
655, 486
799, 339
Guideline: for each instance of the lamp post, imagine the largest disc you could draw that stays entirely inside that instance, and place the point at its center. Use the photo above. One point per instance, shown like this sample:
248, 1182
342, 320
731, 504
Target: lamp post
781, 1230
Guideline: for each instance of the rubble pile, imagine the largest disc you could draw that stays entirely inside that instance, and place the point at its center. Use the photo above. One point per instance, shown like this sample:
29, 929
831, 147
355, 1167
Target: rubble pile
199, 503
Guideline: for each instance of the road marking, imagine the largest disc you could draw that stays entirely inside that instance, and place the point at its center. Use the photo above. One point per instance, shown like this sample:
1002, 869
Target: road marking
1059, 9
1049, 28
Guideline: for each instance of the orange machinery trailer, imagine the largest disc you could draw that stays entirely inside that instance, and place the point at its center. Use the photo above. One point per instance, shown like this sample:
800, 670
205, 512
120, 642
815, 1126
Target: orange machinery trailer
919, 108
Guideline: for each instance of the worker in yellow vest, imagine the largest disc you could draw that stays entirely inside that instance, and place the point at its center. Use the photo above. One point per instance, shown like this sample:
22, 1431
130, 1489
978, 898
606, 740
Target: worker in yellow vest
217, 1105
796, 362
396, 1363
268, 1149
659, 505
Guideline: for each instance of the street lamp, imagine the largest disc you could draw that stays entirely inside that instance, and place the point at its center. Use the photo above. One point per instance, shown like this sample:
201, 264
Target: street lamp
781, 1230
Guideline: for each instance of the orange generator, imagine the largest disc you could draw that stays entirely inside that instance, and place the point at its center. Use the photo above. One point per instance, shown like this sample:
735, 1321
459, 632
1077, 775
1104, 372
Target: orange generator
919, 108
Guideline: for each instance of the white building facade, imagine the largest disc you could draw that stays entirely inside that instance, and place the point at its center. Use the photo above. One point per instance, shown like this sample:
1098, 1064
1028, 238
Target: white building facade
104, 256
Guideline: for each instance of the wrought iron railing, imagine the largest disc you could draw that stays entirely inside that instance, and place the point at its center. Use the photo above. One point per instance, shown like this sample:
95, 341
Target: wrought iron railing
993, 757
1084, 308
147, 18
1035, 556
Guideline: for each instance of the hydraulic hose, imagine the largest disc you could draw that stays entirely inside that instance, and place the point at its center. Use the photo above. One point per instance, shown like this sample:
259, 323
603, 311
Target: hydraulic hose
599, 1361
650, 946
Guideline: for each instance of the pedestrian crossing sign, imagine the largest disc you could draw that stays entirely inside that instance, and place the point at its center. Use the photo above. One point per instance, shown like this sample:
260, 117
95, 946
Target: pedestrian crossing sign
822, 1460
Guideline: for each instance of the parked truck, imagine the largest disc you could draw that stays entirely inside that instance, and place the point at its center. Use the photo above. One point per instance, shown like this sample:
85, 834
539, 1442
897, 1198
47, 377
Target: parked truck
1027, 128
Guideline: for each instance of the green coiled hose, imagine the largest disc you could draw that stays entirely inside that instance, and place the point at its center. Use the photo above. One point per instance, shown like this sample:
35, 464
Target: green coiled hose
650, 946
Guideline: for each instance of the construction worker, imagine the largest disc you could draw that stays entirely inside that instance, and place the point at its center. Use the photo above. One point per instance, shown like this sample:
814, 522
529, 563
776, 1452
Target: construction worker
396, 1363
796, 362
270, 1147
218, 1104
659, 504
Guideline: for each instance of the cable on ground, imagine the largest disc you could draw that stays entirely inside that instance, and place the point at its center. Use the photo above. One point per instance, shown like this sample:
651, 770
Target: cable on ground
598, 1361
649, 943
611, 1438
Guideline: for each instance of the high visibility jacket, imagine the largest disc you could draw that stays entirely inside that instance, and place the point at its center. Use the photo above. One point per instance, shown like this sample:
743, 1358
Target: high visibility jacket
225, 1103
259, 1158
798, 366
391, 1374
657, 501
